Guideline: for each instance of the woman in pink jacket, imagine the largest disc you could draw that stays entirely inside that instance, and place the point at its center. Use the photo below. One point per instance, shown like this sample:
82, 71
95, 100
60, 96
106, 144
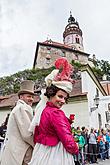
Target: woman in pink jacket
54, 143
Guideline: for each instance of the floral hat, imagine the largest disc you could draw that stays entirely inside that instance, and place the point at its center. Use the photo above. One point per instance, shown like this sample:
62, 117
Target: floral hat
61, 76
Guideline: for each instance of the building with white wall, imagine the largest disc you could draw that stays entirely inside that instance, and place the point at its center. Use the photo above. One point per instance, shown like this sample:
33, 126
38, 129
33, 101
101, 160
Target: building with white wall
92, 111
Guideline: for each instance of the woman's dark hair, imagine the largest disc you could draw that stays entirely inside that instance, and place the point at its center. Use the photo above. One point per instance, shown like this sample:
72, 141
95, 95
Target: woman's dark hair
52, 90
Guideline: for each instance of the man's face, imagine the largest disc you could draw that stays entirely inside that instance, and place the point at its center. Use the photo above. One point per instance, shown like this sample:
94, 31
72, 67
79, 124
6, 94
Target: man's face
27, 98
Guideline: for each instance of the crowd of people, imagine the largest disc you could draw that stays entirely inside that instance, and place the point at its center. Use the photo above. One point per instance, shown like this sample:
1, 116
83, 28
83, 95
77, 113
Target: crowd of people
93, 145
46, 137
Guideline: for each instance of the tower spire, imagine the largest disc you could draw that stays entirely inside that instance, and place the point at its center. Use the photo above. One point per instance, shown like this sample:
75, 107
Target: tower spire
71, 19
72, 35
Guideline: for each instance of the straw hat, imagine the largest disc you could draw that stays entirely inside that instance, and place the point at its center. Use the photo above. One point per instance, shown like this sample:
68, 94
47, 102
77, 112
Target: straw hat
27, 86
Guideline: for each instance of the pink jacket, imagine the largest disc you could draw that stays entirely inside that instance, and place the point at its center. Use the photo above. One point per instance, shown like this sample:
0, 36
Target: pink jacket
54, 127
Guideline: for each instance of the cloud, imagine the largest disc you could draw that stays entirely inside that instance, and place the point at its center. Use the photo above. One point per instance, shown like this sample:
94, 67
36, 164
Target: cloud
24, 22
14, 59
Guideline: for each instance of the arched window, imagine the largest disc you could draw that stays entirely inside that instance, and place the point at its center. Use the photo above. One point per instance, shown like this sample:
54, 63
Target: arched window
77, 40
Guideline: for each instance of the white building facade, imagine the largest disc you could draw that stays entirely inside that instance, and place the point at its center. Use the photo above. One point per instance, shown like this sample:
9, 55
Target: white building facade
94, 111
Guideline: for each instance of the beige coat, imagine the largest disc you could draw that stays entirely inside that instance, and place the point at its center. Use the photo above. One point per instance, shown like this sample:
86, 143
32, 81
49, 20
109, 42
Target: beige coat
18, 138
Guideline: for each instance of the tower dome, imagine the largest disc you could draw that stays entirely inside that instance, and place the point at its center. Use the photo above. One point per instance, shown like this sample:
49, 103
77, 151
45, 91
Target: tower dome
72, 34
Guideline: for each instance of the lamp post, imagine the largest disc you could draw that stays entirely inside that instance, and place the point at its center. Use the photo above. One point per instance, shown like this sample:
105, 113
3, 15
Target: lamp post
96, 101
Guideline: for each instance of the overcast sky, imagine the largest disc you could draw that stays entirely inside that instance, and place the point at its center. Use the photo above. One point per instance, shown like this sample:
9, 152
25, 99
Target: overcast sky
23, 23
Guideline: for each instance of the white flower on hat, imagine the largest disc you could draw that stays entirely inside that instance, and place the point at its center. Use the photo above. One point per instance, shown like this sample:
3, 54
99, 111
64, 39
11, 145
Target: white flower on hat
51, 77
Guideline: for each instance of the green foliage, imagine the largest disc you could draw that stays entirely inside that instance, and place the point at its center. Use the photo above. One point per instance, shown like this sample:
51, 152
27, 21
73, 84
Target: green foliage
98, 72
11, 84
102, 68
76, 65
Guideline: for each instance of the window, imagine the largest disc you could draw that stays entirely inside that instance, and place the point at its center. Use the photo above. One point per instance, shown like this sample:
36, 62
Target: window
77, 40
48, 59
109, 107
107, 116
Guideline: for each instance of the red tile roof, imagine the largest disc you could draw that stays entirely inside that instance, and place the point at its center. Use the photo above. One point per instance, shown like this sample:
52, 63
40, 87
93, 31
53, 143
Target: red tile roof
106, 86
10, 100
57, 44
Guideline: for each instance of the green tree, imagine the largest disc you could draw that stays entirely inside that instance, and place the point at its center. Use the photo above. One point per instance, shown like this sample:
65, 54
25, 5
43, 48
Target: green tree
11, 84
103, 67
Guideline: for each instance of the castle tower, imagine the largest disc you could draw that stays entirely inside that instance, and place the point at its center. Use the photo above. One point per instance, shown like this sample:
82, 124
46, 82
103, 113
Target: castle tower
72, 35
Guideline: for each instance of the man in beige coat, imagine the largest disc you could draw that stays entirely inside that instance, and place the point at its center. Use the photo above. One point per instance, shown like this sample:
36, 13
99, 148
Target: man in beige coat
19, 141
